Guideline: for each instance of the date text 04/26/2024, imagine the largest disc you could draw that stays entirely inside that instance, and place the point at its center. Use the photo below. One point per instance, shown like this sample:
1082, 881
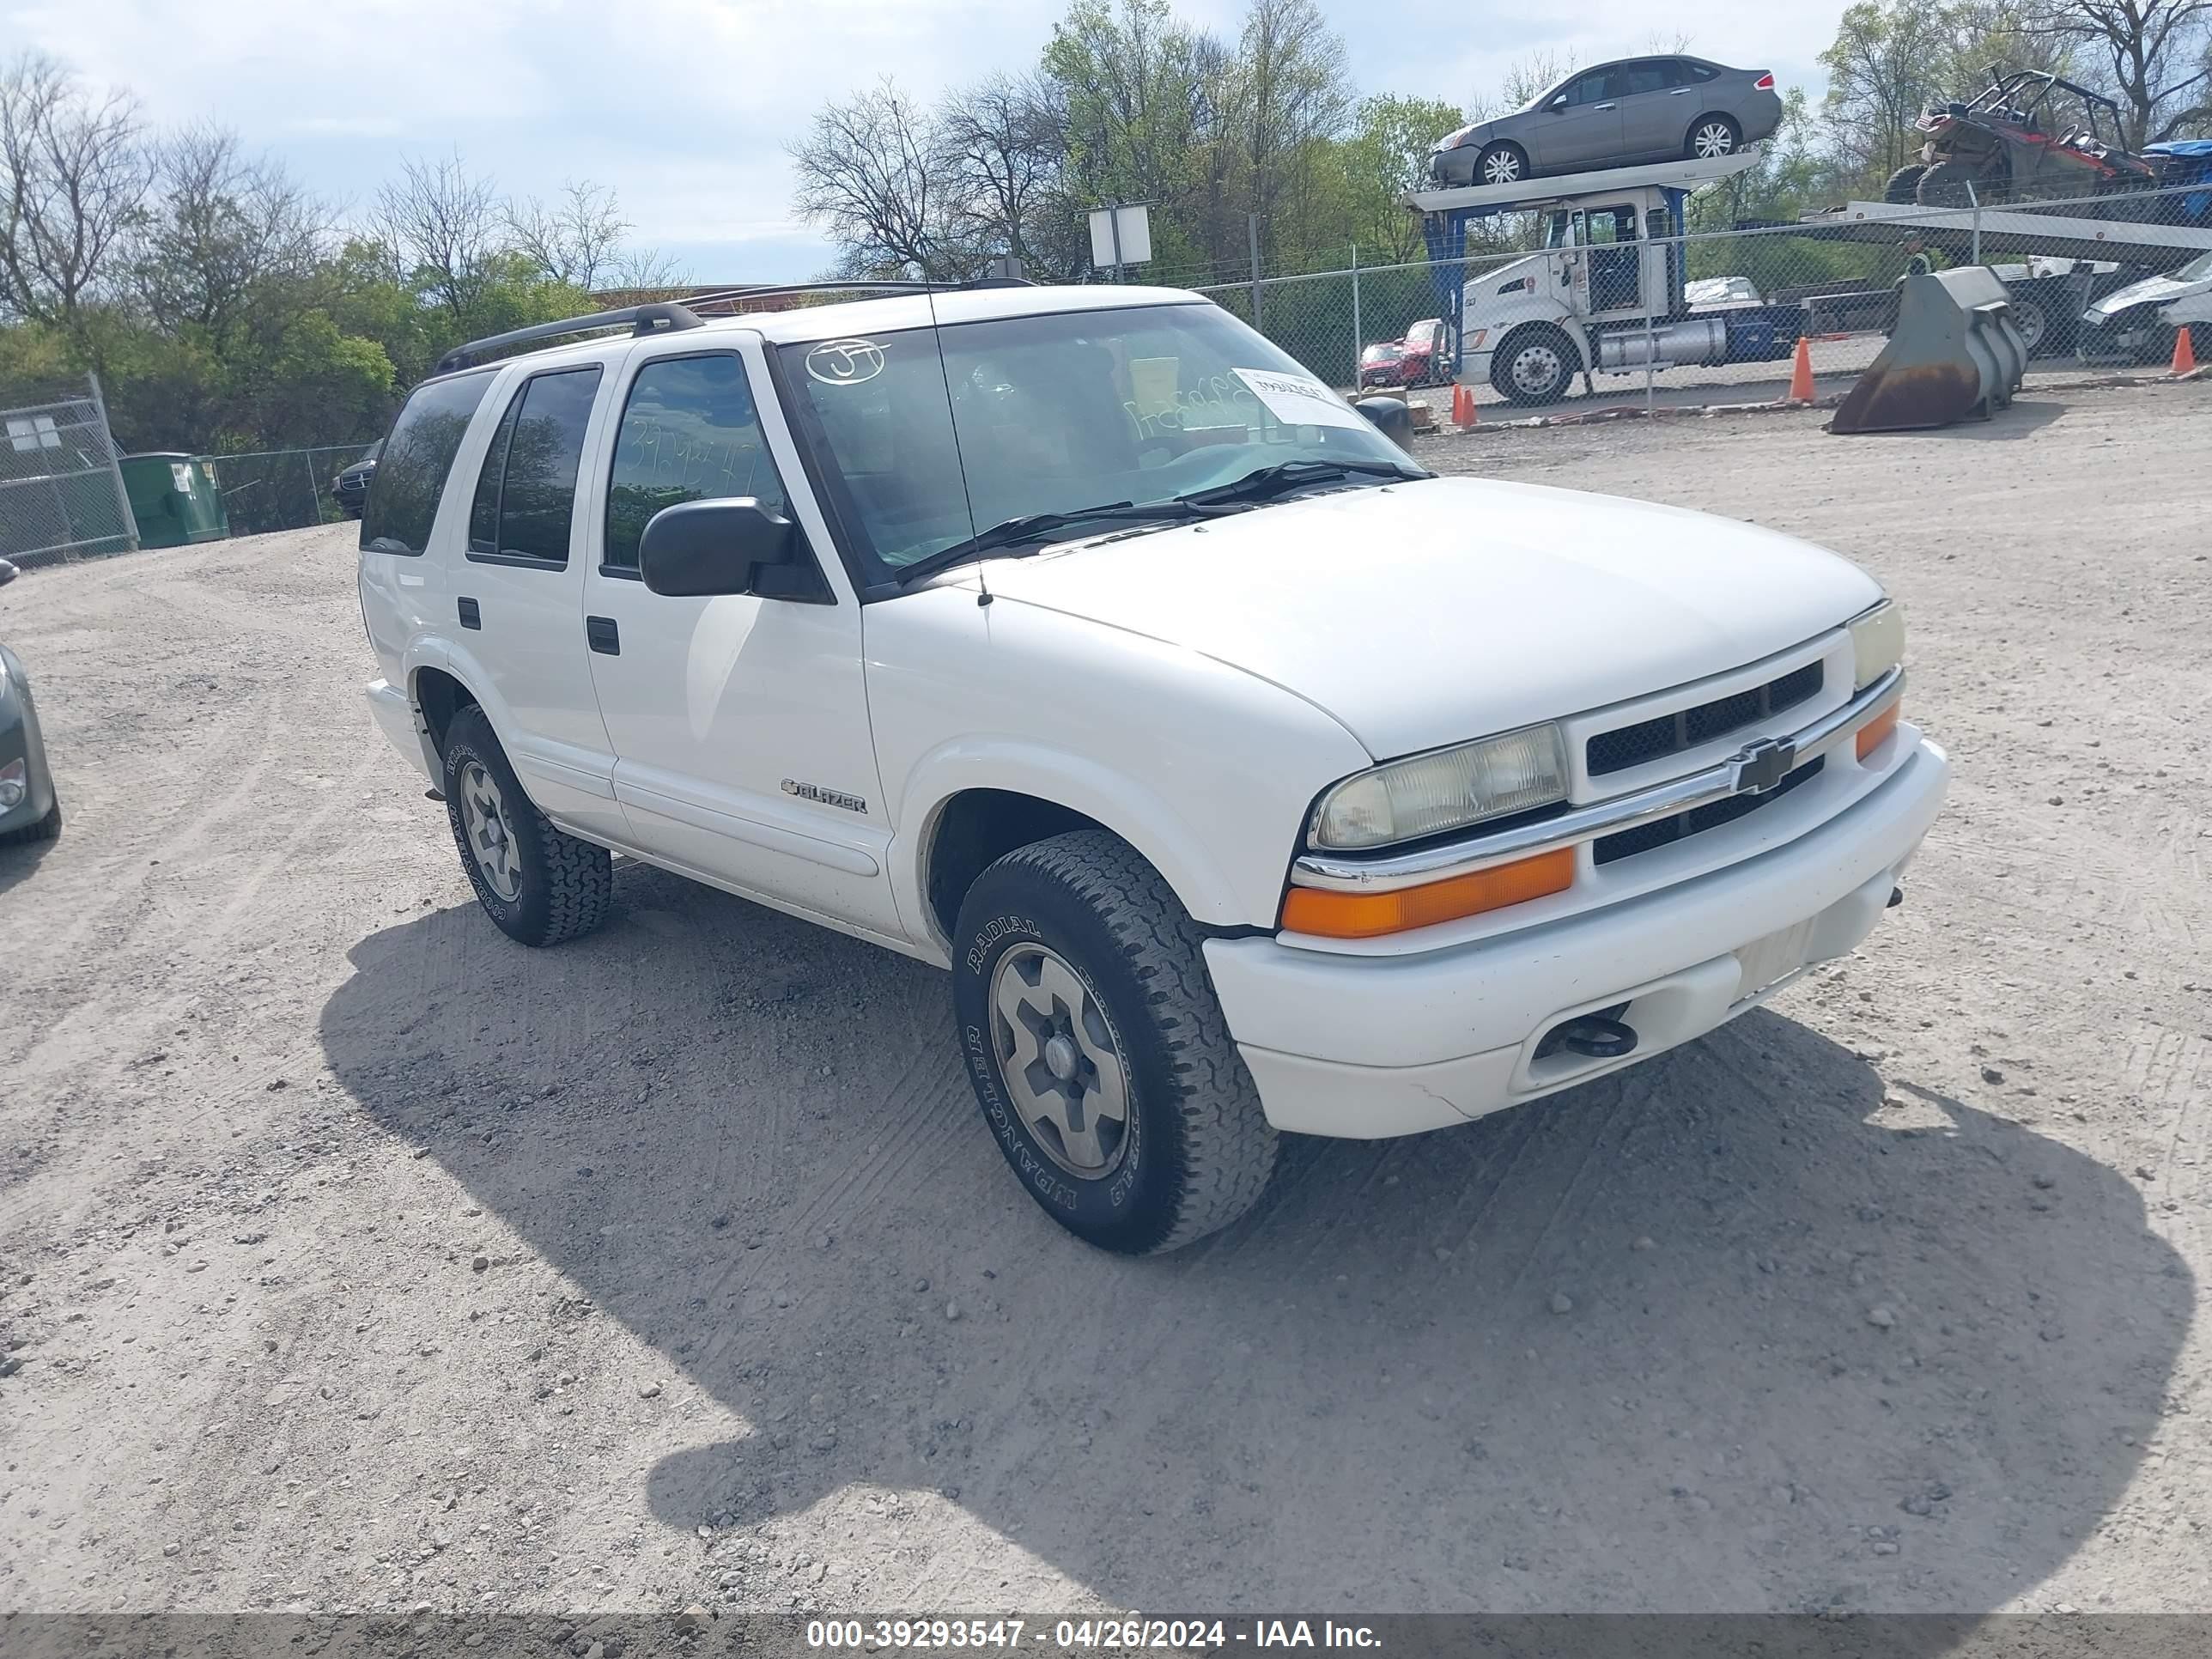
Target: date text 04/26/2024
1086, 1635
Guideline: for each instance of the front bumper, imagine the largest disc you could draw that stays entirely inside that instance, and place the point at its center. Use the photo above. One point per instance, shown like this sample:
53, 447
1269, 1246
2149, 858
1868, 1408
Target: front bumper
1373, 1046
20, 740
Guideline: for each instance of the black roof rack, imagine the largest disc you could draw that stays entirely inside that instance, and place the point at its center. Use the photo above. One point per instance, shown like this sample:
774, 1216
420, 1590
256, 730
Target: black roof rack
768, 290
662, 318
667, 316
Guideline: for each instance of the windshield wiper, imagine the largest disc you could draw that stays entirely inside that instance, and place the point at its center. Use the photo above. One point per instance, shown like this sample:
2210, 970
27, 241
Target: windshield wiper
1263, 483
1035, 527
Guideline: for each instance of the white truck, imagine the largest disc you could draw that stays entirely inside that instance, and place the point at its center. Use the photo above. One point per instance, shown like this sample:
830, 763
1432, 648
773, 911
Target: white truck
1607, 295
1246, 776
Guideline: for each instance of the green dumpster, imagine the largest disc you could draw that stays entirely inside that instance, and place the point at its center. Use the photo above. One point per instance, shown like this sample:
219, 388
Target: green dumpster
175, 498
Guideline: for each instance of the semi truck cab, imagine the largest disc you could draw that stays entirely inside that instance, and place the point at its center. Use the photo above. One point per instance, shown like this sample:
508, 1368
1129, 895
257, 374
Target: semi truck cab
1605, 293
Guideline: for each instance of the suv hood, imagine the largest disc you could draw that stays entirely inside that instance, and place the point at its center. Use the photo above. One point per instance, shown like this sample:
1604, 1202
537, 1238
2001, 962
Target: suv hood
1430, 612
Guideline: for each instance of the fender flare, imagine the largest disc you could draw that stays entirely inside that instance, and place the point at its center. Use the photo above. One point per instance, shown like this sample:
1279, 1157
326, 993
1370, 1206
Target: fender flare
1128, 807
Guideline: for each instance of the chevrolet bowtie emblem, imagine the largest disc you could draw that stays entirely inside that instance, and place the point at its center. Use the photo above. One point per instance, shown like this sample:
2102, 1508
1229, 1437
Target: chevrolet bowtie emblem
1760, 766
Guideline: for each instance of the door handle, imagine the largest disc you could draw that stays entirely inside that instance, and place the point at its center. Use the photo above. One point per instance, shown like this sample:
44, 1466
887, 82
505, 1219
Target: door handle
1605, 107
602, 636
1679, 92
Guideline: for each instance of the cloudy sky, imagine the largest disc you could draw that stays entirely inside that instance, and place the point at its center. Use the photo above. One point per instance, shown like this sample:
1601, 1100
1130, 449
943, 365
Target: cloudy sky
684, 106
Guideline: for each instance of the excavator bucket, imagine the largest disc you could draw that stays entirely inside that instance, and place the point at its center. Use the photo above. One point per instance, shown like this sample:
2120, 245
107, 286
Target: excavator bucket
1955, 351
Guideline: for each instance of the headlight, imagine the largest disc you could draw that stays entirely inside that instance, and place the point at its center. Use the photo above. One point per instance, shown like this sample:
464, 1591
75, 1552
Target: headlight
1877, 643
1450, 789
15, 783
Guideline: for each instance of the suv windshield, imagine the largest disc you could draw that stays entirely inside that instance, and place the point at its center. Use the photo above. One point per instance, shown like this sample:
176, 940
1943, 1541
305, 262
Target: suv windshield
1029, 416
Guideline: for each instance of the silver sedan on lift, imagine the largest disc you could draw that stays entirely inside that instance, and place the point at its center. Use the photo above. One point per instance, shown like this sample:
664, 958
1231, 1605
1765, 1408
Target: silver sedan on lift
1638, 110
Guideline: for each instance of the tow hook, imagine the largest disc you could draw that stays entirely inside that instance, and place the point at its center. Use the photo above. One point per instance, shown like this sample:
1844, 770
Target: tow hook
1597, 1037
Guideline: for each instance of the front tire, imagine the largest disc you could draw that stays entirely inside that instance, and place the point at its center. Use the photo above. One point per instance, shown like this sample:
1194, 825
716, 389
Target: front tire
1899, 192
1097, 1051
540, 886
1944, 185
1534, 366
1501, 164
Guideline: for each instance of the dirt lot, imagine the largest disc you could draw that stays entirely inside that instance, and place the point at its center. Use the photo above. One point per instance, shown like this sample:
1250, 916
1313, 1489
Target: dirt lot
354, 1257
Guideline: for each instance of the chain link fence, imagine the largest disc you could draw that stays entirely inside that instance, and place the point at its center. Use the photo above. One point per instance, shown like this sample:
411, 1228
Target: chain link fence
1716, 316
61, 490
270, 490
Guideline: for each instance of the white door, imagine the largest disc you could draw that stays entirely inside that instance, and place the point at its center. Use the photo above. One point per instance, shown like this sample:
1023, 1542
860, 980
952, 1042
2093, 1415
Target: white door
518, 596
739, 724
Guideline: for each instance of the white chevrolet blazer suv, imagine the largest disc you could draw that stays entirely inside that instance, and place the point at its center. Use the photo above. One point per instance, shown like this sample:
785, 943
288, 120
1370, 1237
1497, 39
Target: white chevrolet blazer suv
1247, 777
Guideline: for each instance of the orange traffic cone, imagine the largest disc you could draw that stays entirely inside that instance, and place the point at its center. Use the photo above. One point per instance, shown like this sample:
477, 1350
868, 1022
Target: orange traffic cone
1463, 408
2185, 352
1801, 372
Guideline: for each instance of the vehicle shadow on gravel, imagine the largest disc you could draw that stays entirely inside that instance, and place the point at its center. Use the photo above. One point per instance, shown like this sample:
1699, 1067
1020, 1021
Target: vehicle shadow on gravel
1724, 1332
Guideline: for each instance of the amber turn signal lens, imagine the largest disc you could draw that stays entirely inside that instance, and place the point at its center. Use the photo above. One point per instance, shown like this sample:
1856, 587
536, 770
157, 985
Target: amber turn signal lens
1367, 915
1871, 733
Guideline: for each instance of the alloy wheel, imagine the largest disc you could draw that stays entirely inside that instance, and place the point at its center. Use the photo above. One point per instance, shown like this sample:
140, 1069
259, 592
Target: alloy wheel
491, 833
1059, 1062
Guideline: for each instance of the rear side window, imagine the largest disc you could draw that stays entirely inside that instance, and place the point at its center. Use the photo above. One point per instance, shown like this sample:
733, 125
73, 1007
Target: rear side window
690, 432
525, 495
410, 472
1640, 78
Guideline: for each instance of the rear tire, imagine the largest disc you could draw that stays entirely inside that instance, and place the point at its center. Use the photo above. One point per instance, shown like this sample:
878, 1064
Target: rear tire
1712, 136
540, 886
1097, 1051
1501, 163
1534, 365
1899, 192
2033, 323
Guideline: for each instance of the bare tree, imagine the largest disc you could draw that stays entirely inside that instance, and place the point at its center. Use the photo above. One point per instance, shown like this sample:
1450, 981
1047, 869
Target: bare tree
1000, 148
575, 239
637, 276
869, 174
223, 224
2156, 57
441, 229
74, 173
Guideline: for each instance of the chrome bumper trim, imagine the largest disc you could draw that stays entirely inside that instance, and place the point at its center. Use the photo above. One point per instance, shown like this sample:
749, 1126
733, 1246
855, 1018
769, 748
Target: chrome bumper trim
1754, 770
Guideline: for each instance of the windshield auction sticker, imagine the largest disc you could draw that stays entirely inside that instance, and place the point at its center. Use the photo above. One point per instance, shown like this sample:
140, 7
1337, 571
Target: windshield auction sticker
1299, 399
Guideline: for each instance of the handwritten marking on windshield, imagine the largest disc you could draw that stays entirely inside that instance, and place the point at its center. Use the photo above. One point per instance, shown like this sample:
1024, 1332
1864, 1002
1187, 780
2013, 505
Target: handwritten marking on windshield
845, 362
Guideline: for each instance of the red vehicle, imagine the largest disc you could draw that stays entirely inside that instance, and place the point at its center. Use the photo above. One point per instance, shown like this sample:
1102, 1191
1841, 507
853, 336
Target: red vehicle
1427, 354
1383, 364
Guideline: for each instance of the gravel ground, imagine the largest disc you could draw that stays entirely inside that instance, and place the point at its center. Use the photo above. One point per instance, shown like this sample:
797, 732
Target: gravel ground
353, 1257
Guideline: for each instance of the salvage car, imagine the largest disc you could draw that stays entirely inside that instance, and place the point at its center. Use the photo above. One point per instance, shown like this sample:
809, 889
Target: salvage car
1383, 363
350, 486
1640, 109
2139, 322
29, 810
1246, 776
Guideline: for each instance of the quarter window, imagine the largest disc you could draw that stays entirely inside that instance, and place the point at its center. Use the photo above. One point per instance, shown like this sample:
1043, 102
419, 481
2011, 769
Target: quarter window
690, 432
410, 471
526, 494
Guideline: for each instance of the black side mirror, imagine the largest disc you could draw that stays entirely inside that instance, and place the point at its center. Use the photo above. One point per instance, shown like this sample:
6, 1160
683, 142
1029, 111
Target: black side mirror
1391, 418
7, 572
727, 545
